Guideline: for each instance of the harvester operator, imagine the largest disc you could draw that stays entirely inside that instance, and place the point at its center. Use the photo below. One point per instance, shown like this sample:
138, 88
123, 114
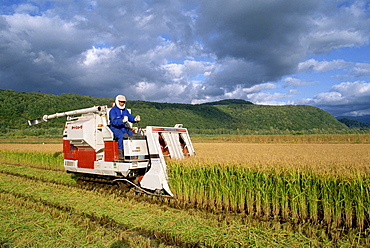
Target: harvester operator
119, 117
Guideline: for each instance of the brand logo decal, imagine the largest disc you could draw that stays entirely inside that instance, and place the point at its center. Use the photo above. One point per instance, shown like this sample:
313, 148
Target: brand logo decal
77, 127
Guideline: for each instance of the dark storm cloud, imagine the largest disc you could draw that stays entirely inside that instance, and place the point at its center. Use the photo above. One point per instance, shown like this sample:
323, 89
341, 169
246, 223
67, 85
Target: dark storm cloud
173, 51
53, 52
263, 34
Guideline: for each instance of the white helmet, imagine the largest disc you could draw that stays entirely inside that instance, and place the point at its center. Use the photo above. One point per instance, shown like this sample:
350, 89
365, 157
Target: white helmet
120, 98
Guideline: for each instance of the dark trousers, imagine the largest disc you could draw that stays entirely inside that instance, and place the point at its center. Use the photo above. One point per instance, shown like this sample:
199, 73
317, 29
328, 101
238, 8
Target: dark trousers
119, 133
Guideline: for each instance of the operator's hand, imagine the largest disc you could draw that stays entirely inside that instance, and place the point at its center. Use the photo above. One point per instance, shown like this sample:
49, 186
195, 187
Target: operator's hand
125, 119
137, 118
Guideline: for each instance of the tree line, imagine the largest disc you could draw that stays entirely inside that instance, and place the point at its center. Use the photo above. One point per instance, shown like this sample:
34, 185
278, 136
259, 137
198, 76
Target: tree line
232, 116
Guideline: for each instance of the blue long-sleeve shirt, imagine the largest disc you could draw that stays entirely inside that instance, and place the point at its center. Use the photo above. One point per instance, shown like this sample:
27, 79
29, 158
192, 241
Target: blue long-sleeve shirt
116, 116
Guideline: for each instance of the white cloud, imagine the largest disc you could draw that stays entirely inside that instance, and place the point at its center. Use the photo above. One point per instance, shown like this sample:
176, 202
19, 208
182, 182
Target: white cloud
326, 41
356, 89
344, 98
322, 66
188, 69
145, 87
329, 98
148, 91
44, 57
360, 70
259, 87
295, 82
101, 57
27, 9
268, 98
253, 94
353, 69
357, 113
336, 26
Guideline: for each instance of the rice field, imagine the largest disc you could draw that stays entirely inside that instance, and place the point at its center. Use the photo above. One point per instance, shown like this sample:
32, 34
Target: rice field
338, 159
318, 183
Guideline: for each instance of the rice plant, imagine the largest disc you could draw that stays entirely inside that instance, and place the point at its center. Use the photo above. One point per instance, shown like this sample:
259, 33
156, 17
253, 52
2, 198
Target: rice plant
296, 196
45, 160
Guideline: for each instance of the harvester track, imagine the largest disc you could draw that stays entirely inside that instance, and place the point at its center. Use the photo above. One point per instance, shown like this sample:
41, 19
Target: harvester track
118, 188
122, 185
127, 189
103, 221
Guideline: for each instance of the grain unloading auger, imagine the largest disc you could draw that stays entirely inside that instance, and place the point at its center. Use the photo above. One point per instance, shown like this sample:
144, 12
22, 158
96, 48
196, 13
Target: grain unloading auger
90, 149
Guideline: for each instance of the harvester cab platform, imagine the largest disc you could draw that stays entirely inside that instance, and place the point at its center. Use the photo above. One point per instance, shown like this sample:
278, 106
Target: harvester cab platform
90, 149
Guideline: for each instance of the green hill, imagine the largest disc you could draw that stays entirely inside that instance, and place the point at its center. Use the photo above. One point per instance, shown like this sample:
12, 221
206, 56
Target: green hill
354, 124
228, 102
233, 116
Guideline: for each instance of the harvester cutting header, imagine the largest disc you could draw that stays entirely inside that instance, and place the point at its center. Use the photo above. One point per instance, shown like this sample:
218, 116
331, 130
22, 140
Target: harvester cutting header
93, 147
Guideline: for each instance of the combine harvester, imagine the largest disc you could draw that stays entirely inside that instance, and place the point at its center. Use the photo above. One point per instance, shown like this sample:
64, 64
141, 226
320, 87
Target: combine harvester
90, 150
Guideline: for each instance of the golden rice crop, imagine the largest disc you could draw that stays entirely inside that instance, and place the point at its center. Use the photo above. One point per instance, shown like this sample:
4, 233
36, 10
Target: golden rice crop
288, 139
318, 183
338, 159
32, 147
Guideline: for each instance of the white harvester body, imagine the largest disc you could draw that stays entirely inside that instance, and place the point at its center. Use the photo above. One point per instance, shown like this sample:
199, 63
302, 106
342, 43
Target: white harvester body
91, 149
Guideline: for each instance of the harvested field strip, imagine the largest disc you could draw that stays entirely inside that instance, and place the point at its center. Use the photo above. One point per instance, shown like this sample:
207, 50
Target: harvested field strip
170, 225
36, 173
53, 226
92, 216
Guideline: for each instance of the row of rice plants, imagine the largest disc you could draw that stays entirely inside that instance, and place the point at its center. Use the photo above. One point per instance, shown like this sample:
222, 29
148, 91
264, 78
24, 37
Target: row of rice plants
295, 196
44, 160
363, 138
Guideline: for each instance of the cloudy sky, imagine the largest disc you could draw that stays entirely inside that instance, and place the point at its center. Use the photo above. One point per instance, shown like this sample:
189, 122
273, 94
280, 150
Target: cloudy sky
191, 51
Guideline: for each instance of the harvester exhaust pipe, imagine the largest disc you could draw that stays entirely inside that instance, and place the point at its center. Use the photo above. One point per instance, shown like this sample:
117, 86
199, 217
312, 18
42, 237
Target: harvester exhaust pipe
57, 115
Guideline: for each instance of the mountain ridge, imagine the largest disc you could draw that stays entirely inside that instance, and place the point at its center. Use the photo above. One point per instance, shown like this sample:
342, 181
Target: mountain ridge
221, 117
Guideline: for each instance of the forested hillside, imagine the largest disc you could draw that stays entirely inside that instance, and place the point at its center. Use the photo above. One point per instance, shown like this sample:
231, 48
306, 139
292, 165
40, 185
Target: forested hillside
354, 124
227, 116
